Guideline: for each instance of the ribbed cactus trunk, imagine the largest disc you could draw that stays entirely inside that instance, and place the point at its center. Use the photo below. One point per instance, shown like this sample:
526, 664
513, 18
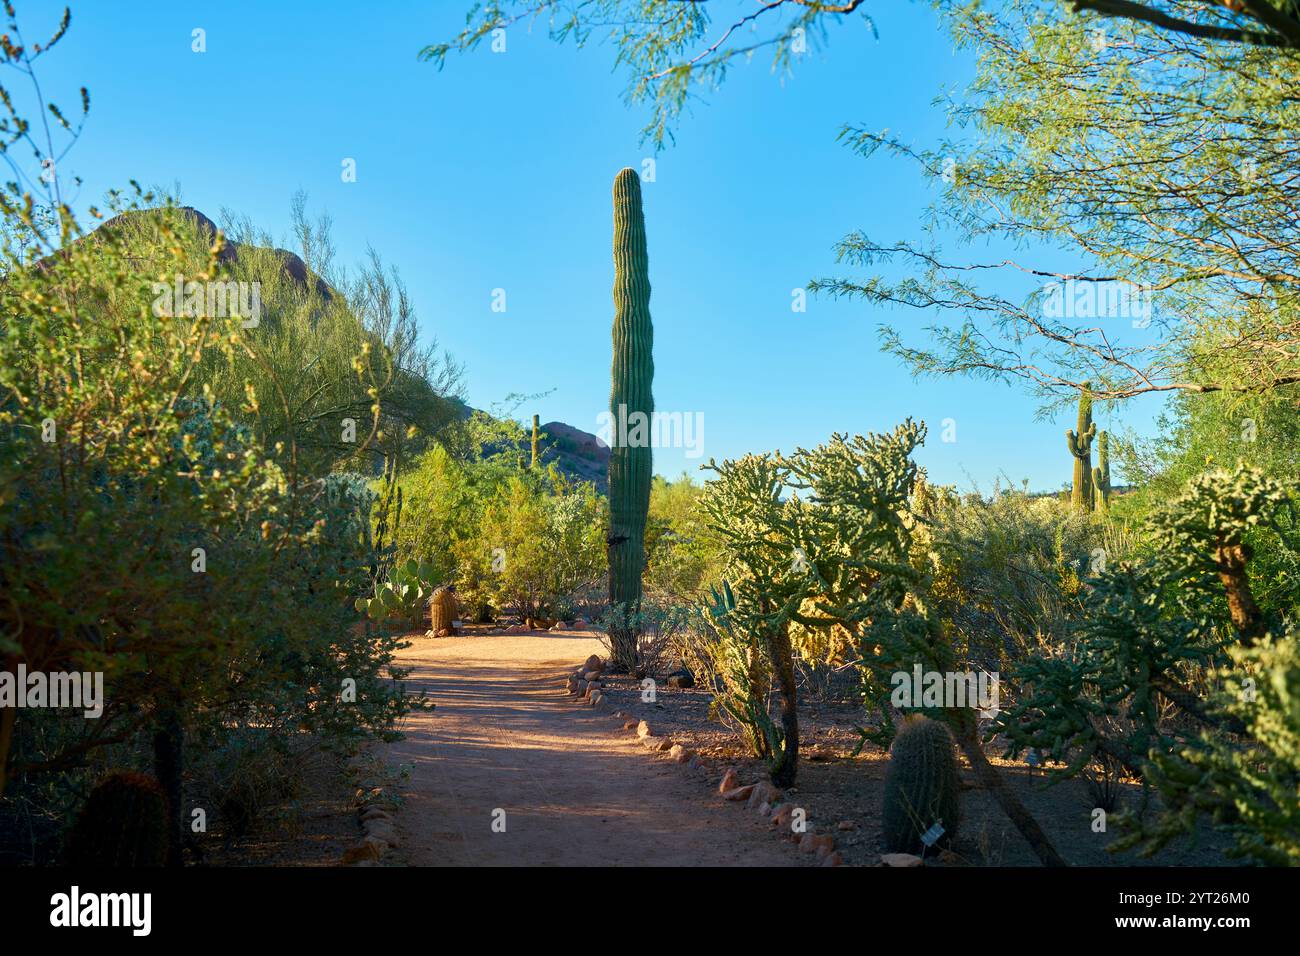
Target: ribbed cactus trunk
535, 423
1101, 474
630, 404
1080, 445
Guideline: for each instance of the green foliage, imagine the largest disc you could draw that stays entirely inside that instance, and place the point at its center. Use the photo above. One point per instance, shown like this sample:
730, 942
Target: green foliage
1249, 789
1155, 633
682, 556
663, 45
165, 518
630, 460
404, 597
1077, 132
922, 786
122, 824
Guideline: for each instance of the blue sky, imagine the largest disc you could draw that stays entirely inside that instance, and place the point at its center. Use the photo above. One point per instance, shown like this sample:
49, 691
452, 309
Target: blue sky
496, 173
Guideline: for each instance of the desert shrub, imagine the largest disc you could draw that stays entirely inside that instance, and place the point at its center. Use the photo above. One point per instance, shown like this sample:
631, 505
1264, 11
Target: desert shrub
659, 629
538, 546
155, 527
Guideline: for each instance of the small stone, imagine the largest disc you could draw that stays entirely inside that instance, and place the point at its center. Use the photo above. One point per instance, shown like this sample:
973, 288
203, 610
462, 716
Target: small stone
375, 813
591, 675
643, 730
781, 818
630, 725
846, 825
681, 680
443, 632
833, 859
593, 663
901, 859
597, 698
729, 782
763, 809
662, 744
361, 853
679, 754
739, 793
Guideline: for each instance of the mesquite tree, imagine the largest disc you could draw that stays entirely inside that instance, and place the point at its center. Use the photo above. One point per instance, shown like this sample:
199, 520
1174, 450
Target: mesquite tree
631, 406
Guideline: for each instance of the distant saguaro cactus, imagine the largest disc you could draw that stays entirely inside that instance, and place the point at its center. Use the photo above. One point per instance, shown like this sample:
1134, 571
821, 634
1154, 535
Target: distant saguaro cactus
630, 403
1101, 474
534, 441
1080, 445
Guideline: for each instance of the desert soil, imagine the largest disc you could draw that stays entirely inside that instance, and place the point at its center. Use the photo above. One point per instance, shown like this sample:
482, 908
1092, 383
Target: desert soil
575, 788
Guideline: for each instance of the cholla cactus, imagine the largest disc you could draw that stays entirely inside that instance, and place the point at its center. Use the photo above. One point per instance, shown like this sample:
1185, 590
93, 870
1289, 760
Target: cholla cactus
1080, 445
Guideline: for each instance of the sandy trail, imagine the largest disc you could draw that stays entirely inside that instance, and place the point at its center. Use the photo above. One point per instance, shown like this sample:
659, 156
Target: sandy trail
577, 790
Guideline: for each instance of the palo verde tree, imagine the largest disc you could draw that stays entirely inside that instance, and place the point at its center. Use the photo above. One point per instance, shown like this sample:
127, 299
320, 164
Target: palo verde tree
1154, 268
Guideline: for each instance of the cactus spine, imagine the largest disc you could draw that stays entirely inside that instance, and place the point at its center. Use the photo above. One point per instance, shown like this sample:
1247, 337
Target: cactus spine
1101, 474
534, 441
631, 405
124, 823
922, 786
1080, 445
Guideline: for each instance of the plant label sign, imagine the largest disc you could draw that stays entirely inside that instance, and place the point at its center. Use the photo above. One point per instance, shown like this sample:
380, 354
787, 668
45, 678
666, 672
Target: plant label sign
931, 836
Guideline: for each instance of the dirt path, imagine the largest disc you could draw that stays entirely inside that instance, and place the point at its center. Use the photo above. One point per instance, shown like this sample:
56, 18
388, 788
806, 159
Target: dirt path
576, 789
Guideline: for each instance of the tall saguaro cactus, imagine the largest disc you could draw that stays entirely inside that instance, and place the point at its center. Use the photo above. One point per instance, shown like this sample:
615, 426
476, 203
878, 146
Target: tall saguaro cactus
1101, 474
535, 424
630, 398
1080, 445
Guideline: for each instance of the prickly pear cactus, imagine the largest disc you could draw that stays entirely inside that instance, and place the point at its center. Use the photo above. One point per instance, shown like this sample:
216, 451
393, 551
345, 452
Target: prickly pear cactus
922, 786
403, 597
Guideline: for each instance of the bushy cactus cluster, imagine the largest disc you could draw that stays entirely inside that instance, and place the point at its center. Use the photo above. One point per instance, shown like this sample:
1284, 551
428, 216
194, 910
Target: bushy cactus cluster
124, 823
922, 786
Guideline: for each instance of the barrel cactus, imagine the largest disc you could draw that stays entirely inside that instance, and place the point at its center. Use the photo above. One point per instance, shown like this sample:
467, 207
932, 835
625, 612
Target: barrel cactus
631, 404
1101, 474
124, 823
922, 786
443, 611
1080, 445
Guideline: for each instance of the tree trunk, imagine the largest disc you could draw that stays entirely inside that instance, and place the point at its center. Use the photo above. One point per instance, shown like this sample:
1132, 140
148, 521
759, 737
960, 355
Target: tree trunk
991, 780
785, 762
168, 762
